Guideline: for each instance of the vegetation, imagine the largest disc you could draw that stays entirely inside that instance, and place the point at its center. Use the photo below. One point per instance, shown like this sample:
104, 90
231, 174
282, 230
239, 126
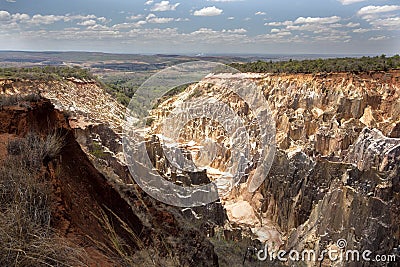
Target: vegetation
123, 86
11, 100
26, 237
46, 73
378, 63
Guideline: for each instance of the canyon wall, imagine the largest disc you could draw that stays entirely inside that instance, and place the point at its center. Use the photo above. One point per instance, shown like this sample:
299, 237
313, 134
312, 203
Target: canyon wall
335, 174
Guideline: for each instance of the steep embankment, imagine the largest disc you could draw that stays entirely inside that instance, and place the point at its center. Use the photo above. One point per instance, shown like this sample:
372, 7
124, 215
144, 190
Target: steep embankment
336, 173
116, 223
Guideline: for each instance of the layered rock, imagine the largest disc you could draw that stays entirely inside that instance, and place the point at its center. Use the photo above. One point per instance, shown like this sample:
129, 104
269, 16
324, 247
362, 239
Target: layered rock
336, 173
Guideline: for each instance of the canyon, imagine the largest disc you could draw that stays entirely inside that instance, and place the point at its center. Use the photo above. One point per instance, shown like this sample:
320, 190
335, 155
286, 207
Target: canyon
335, 174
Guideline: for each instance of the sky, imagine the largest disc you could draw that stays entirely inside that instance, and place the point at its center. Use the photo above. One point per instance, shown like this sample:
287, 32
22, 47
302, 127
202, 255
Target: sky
202, 26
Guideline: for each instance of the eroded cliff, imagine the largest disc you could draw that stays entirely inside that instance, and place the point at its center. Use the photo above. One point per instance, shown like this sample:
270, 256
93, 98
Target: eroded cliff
335, 174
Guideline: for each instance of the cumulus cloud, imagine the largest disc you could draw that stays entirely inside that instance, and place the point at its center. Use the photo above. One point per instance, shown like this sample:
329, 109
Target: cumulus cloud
151, 18
352, 24
164, 6
317, 20
4, 15
135, 17
102, 19
127, 25
361, 30
87, 23
69, 17
388, 23
238, 31
378, 38
349, 2
208, 11
259, 13
45, 19
279, 23
39, 19
373, 10
381, 17
149, 2
231, 18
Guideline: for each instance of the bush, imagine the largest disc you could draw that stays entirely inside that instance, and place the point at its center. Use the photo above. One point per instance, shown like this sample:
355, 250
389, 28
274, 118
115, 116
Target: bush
26, 238
33, 150
12, 100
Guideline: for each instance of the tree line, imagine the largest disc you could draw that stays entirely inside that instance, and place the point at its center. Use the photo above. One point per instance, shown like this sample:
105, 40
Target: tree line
45, 73
348, 64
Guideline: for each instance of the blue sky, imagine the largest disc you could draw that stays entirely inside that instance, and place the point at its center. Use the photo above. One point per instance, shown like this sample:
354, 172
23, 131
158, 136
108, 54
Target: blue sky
202, 26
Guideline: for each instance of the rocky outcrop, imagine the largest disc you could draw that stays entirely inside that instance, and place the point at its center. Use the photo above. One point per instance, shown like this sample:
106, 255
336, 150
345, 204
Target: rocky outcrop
100, 214
373, 150
85, 102
336, 174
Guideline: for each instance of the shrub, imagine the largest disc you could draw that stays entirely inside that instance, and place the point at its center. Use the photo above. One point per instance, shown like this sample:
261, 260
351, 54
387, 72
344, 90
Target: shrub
26, 238
33, 149
12, 100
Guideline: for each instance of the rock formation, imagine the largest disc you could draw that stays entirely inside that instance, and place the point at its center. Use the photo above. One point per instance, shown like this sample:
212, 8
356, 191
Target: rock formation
335, 174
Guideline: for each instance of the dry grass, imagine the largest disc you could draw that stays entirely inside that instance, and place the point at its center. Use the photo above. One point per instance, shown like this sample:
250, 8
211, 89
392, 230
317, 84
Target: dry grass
26, 238
11, 100
33, 150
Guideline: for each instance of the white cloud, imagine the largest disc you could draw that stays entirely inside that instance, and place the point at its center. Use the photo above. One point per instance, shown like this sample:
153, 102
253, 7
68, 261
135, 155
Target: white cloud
238, 31
349, 2
4, 15
164, 6
371, 10
151, 18
275, 30
20, 17
378, 38
11, 1
126, 25
46, 19
352, 24
135, 17
161, 20
284, 33
103, 19
388, 23
149, 2
279, 23
87, 23
231, 18
317, 20
69, 17
208, 11
260, 13
182, 19
379, 18
97, 27
361, 30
